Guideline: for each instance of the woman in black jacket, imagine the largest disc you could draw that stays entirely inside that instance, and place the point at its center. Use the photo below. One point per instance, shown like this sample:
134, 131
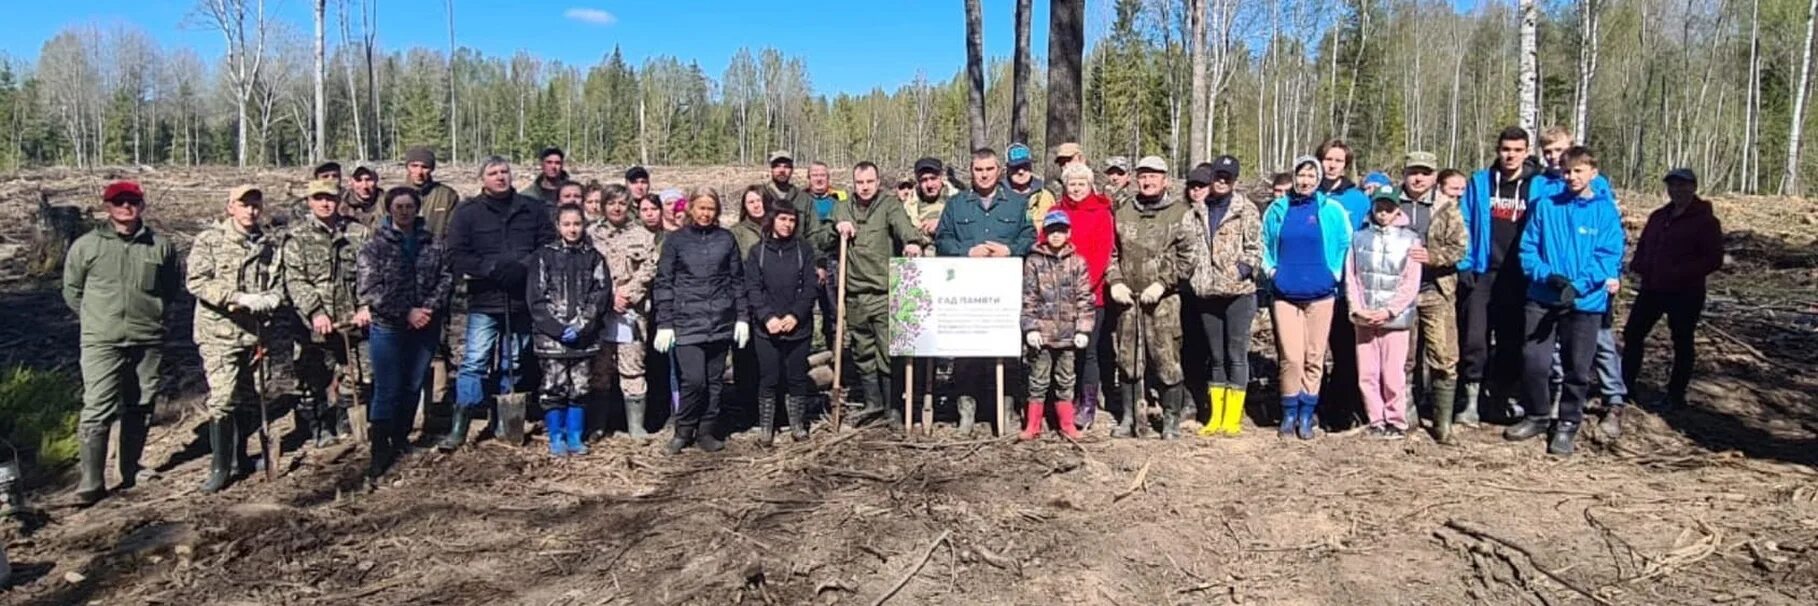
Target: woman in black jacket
700, 315
783, 290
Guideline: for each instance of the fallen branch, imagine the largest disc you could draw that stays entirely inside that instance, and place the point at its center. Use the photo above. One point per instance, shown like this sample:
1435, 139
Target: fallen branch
910, 574
1141, 475
1475, 531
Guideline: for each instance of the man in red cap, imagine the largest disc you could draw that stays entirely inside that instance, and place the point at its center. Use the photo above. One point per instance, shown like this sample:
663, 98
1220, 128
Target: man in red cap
118, 279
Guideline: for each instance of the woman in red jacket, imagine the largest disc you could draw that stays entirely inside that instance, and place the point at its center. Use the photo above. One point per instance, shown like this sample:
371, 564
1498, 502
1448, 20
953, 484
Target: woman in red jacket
1681, 245
1094, 236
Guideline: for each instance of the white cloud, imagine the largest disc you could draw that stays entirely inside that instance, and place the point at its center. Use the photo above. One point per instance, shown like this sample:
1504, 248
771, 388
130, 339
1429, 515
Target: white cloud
591, 16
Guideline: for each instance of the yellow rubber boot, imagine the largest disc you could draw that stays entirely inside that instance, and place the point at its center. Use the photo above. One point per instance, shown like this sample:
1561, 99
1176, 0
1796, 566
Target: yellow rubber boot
1233, 421
1216, 395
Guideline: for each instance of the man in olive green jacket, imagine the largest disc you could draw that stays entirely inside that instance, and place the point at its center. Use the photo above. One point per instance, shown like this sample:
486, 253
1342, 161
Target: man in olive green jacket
118, 279
873, 224
235, 273
438, 205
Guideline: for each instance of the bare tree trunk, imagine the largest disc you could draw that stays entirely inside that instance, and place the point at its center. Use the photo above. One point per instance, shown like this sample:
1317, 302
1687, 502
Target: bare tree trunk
369, 30
1587, 68
643, 135
1529, 78
1019, 77
1197, 112
319, 146
1789, 185
454, 125
1751, 156
1066, 53
975, 73
353, 91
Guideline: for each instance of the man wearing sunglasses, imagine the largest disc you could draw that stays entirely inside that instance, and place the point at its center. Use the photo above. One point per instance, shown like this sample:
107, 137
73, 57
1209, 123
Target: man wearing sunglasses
118, 279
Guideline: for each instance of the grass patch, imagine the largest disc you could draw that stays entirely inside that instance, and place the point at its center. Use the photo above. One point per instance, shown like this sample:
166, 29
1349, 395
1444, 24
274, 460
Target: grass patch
38, 414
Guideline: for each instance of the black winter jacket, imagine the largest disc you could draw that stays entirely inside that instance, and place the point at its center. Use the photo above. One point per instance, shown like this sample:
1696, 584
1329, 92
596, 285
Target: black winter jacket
700, 285
781, 281
568, 285
490, 241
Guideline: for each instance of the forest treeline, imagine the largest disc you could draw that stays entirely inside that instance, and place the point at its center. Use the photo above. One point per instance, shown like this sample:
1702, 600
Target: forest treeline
1710, 84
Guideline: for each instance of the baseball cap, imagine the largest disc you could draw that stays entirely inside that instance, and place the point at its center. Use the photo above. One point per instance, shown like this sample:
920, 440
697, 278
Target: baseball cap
1200, 175
1420, 159
781, 155
1385, 192
1068, 150
321, 187
122, 189
1152, 164
1018, 155
245, 191
928, 164
1226, 165
1682, 173
636, 172
1117, 163
1056, 218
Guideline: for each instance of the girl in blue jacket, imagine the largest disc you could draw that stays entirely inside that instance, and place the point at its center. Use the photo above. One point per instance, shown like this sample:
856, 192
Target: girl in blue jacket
1305, 238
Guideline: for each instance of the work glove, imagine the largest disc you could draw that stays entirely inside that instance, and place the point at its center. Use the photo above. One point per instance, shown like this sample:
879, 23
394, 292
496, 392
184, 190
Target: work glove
1567, 297
571, 335
1079, 340
246, 301
741, 333
665, 339
1153, 293
1033, 338
1121, 294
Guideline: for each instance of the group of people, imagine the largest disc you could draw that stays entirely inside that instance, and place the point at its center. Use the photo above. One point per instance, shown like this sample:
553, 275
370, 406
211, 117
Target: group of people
567, 292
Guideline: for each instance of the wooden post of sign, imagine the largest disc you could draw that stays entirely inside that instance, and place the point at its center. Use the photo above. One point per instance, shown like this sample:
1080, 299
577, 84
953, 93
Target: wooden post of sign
909, 397
927, 396
1002, 421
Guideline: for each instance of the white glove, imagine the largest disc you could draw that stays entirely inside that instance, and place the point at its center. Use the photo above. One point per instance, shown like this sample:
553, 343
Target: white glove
1079, 341
1153, 293
1121, 294
1034, 339
270, 301
741, 333
665, 339
247, 301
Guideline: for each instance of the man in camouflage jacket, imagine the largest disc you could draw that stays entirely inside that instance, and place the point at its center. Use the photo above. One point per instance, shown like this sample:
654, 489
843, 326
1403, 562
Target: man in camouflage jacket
630, 251
236, 275
1443, 241
321, 269
1154, 253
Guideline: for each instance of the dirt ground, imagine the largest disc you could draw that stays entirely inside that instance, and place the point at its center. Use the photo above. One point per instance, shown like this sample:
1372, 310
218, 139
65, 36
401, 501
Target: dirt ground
1717, 503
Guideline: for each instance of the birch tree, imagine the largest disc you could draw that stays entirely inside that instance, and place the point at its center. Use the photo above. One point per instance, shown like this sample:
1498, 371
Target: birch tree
316, 148
1197, 146
1529, 78
242, 26
1789, 185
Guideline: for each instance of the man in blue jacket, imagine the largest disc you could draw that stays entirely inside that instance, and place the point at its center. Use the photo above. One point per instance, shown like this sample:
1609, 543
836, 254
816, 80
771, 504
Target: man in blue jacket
1554, 141
1495, 207
1571, 249
987, 220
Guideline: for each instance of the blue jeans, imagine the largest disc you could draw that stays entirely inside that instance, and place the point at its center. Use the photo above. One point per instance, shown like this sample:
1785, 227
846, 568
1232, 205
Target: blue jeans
479, 376
400, 361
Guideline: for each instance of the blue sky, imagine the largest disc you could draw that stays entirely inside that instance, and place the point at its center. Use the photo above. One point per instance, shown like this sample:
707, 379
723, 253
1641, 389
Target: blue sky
849, 46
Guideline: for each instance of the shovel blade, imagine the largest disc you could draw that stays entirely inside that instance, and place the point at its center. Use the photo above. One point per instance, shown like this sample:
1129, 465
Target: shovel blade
511, 417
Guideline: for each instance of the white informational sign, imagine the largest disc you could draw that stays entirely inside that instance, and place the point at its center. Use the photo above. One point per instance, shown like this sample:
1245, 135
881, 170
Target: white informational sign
951, 307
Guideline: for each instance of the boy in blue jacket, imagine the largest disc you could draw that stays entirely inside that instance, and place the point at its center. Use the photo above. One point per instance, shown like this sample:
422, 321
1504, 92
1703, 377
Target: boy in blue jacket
1571, 248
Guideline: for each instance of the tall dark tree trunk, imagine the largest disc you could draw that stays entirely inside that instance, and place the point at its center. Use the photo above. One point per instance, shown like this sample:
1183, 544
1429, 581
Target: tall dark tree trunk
975, 72
1019, 77
1066, 54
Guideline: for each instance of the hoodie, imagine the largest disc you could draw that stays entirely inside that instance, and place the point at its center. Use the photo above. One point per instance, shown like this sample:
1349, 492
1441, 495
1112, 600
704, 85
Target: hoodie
1305, 240
1355, 202
1495, 212
1094, 237
1578, 237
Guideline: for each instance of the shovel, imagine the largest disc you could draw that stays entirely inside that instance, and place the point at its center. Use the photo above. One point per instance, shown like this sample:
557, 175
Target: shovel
510, 402
357, 414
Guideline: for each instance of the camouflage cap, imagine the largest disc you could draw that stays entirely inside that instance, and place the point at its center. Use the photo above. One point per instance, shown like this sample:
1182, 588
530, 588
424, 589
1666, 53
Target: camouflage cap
1117, 162
322, 187
246, 193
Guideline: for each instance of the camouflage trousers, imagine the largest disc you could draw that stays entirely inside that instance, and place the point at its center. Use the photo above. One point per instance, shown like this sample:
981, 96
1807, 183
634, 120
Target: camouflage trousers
229, 372
1436, 336
1050, 373
565, 380
325, 364
622, 363
1160, 330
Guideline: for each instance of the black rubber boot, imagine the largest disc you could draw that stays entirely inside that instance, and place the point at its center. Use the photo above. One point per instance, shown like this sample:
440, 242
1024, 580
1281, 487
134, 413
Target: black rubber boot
1563, 434
705, 440
93, 452
221, 441
309, 415
796, 407
384, 453
457, 431
682, 439
874, 403
134, 427
1174, 401
1468, 416
1126, 425
766, 420
634, 417
1444, 390
1528, 428
343, 426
